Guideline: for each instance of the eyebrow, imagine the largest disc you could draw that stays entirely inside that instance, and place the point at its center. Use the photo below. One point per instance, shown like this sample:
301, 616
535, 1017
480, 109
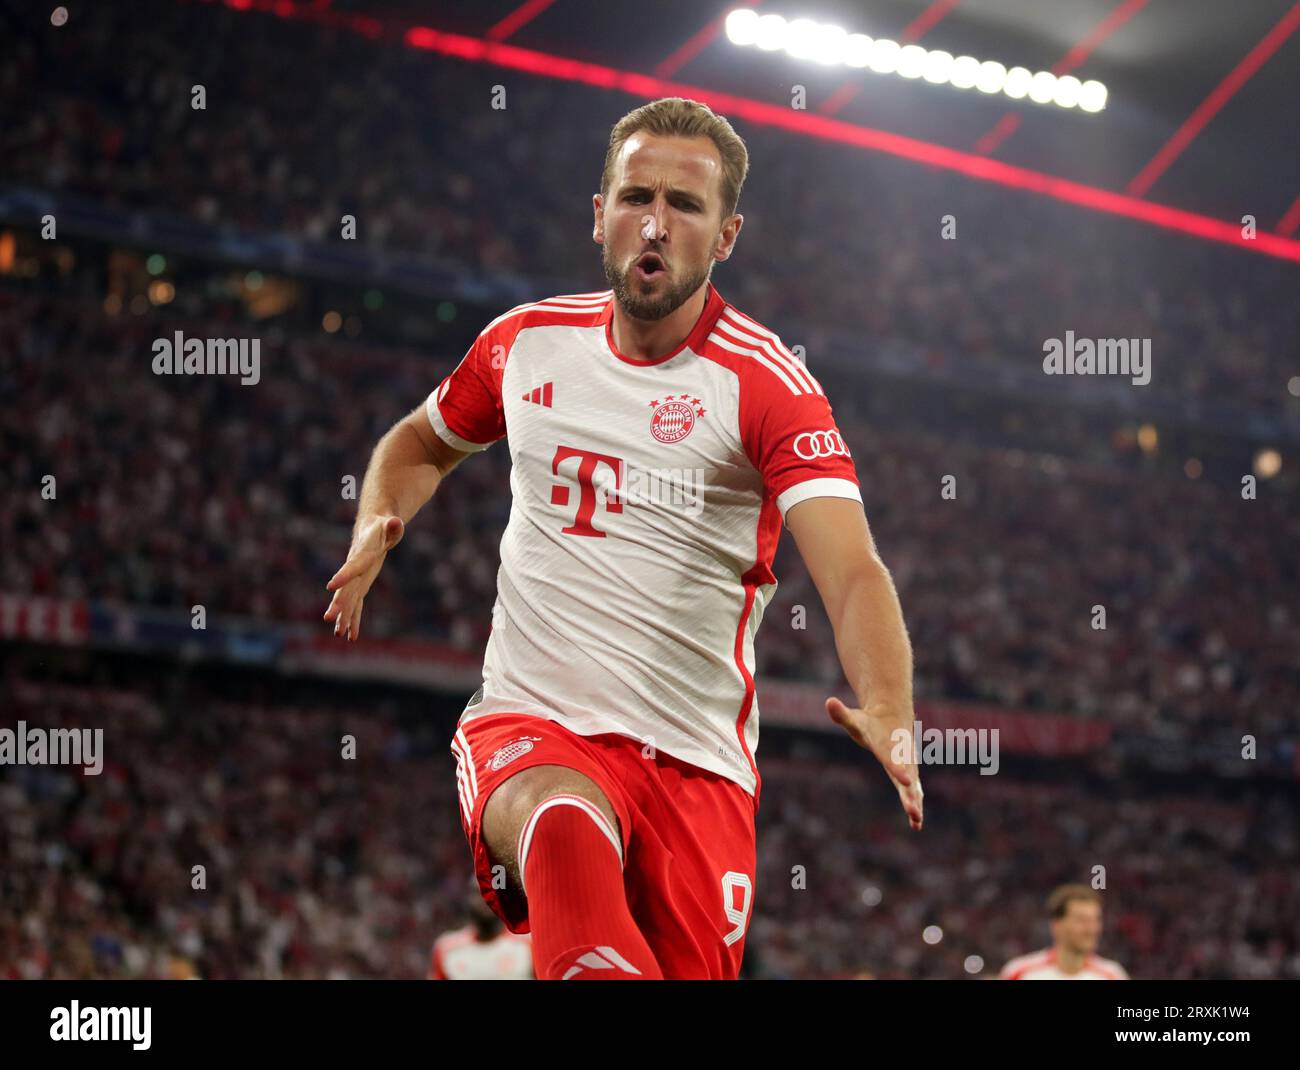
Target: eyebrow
674, 192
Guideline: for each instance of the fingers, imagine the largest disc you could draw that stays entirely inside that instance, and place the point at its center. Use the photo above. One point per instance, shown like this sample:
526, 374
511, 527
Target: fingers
901, 774
913, 805
350, 570
379, 538
339, 611
345, 611
353, 579
347, 618
860, 727
874, 733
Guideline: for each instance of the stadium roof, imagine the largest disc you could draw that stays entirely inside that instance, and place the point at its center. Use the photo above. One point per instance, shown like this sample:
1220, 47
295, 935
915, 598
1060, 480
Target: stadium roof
1203, 98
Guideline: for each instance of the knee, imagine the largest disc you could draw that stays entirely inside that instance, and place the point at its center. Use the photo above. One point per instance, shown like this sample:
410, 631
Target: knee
511, 804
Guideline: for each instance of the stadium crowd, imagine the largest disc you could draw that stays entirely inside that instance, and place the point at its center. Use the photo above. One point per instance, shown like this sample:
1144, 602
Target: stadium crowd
195, 490
315, 865
297, 116
181, 491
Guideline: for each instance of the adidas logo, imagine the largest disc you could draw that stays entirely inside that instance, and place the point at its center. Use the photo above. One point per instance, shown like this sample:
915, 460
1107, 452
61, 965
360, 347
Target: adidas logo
540, 395
601, 958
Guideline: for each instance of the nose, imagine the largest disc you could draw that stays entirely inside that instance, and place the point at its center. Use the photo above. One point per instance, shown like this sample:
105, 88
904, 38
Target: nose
652, 226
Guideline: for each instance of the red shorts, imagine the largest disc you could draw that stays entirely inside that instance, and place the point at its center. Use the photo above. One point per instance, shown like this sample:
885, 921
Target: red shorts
688, 835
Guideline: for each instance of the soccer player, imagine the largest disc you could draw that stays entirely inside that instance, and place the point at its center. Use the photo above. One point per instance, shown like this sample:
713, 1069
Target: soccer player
483, 950
659, 437
1075, 913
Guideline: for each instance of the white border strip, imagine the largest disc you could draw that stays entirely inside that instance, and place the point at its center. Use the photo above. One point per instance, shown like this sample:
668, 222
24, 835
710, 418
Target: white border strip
825, 487
585, 805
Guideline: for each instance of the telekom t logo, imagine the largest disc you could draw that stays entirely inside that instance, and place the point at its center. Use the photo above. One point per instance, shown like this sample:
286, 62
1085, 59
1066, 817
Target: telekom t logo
586, 482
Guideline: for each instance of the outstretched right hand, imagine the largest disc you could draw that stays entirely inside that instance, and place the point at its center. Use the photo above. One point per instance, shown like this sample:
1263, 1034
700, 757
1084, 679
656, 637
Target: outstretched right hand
351, 583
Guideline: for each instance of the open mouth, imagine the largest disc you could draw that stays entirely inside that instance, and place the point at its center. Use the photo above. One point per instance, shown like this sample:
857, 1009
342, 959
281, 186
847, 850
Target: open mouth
650, 265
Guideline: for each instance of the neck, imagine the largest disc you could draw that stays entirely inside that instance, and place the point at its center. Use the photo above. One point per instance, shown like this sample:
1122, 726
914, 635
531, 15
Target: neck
651, 339
1069, 961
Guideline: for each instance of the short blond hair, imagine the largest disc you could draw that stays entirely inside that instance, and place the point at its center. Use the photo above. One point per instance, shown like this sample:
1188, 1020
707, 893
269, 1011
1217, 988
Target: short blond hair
679, 117
1061, 898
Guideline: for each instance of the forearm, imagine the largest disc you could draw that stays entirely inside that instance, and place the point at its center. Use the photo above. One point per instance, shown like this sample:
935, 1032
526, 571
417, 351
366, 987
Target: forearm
400, 478
871, 638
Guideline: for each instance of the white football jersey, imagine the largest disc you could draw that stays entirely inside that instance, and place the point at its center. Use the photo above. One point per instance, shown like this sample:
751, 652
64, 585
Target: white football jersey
1042, 966
458, 956
648, 498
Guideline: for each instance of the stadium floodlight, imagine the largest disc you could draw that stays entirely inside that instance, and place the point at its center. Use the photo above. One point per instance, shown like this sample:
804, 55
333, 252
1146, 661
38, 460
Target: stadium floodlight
770, 32
1017, 83
801, 38
938, 67
1043, 87
993, 76
965, 72
1068, 91
1092, 96
806, 39
742, 26
830, 45
911, 61
884, 56
857, 50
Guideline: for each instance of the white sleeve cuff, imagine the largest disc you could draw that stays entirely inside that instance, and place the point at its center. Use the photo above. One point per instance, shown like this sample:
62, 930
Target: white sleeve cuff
446, 433
817, 488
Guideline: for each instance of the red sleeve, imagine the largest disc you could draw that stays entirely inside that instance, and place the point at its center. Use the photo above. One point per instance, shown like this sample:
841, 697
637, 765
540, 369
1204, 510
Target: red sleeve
790, 436
465, 409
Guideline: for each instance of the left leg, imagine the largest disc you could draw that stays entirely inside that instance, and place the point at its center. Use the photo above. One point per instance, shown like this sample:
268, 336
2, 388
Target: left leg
691, 880
559, 838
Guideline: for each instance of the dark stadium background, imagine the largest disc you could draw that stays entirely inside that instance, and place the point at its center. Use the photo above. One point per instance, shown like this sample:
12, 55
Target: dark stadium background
1121, 748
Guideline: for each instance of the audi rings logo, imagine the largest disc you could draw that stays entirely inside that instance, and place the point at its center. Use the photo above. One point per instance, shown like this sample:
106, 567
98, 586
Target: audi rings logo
813, 444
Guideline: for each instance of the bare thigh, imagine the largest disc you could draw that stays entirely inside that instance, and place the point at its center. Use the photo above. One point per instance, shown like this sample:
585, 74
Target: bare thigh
510, 804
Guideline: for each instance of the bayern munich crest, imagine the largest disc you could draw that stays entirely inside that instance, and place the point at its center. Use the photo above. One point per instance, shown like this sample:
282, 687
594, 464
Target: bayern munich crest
674, 417
516, 748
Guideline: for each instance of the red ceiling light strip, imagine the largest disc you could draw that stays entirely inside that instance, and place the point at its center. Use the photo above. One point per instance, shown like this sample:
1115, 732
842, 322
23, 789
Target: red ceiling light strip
927, 20
1107, 26
519, 17
840, 97
998, 133
914, 31
696, 43
317, 11
1010, 122
981, 167
1286, 226
1219, 96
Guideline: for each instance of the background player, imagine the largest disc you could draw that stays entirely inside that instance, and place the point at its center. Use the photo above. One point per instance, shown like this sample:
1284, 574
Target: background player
483, 950
1074, 911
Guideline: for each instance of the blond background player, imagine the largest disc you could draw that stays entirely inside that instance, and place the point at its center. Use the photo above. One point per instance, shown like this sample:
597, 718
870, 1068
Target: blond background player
483, 950
1074, 911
